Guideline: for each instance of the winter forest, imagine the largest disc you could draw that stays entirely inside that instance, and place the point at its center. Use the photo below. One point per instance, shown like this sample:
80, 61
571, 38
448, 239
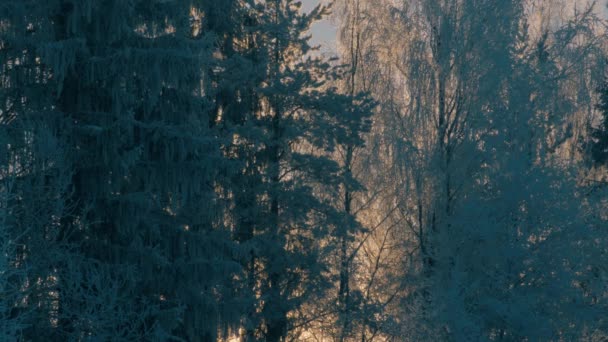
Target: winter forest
201, 170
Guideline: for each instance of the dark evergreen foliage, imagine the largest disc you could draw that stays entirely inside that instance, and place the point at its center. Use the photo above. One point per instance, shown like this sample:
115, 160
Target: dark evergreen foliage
152, 184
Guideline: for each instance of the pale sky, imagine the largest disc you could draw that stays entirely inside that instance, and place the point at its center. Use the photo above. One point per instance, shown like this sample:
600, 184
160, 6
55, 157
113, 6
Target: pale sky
323, 33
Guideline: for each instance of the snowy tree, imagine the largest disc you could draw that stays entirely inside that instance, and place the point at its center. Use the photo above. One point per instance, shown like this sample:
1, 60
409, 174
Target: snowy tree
286, 118
443, 85
129, 84
33, 183
514, 262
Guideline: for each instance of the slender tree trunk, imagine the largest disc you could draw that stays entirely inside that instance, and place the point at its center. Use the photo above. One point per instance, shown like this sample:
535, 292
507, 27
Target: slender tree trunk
344, 288
67, 105
277, 322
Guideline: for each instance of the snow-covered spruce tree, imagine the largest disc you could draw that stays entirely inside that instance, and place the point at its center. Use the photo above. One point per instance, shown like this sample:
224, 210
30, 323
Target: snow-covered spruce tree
354, 123
338, 312
11, 275
235, 117
34, 178
346, 303
519, 259
130, 84
283, 116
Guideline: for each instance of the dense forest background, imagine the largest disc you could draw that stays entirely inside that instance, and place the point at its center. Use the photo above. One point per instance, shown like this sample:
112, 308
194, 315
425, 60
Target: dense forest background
195, 170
